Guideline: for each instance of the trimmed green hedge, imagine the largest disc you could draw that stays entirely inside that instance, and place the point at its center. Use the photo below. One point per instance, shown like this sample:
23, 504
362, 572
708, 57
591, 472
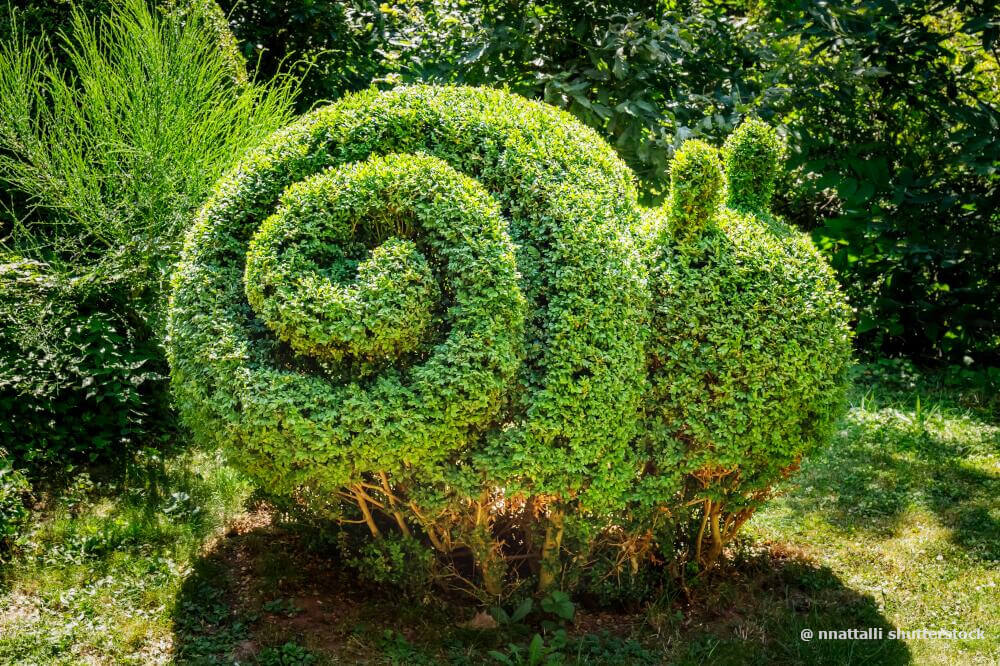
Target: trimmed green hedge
443, 310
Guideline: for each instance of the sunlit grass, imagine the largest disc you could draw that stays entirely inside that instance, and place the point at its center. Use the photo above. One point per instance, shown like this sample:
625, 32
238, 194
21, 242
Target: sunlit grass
97, 576
905, 506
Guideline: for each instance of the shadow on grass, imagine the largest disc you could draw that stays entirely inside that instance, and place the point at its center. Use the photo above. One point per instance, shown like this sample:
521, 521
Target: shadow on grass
260, 591
756, 610
886, 461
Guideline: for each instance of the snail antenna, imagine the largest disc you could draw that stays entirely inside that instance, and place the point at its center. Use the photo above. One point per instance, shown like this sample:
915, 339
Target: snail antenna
695, 189
753, 155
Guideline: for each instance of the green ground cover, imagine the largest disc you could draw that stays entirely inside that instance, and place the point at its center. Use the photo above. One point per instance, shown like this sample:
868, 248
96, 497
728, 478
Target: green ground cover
896, 525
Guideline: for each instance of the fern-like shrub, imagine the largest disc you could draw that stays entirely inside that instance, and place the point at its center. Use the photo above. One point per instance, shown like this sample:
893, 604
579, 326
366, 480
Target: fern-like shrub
442, 313
112, 133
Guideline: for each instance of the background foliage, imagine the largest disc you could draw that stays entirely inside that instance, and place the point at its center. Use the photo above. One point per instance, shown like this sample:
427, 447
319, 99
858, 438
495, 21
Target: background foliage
86, 383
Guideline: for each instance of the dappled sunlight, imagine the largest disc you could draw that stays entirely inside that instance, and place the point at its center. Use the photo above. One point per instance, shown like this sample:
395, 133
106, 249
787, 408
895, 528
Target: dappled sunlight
886, 461
904, 504
96, 574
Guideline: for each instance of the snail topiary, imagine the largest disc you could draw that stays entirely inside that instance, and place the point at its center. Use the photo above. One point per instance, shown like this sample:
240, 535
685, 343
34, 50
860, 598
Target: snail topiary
441, 312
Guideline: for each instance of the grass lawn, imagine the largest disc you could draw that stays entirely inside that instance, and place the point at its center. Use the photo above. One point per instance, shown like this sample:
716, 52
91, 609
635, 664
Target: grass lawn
895, 526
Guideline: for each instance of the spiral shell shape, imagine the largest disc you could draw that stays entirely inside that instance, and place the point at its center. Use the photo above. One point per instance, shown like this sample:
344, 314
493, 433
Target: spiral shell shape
401, 277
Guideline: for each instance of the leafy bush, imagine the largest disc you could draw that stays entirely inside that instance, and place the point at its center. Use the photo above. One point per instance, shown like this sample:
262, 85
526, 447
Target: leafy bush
113, 176
14, 487
109, 157
892, 119
559, 648
49, 20
79, 376
399, 561
289, 654
433, 305
43, 19
646, 75
317, 39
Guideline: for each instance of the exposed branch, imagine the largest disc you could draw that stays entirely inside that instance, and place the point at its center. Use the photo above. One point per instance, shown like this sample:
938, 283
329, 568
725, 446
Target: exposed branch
360, 497
404, 528
701, 531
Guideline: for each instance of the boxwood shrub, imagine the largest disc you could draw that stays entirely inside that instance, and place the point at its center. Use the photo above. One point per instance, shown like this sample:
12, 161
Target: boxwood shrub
441, 313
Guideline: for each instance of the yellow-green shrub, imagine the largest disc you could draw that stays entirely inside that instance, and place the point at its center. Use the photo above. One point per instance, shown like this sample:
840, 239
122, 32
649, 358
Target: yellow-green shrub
442, 311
